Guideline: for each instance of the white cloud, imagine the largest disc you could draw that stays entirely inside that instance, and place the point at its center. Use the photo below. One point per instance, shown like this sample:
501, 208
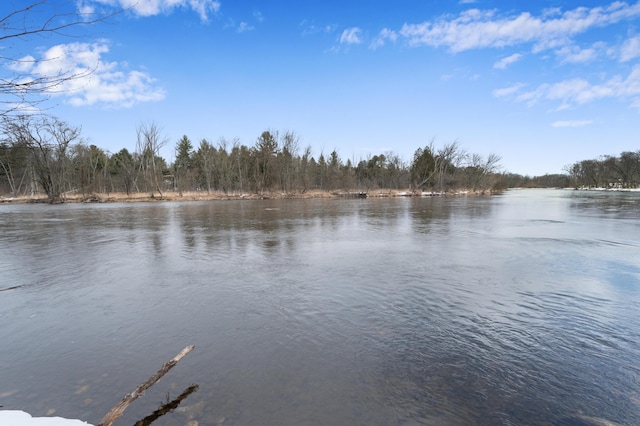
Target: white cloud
508, 91
551, 11
329, 28
385, 34
630, 49
204, 7
460, 73
244, 27
258, 16
576, 55
579, 91
475, 28
85, 9
505, 62
154, 7
571, 123
309, 28
351, 36
23, 64
93, 81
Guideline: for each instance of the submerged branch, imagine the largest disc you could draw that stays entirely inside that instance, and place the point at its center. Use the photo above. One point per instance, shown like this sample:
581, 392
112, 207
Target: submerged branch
166, 408
117, 411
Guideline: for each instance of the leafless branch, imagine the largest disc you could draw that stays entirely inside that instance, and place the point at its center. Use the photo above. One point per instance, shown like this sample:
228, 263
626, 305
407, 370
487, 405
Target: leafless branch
20, 89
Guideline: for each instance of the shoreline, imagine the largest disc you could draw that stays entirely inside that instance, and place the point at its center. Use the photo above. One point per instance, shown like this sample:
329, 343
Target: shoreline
171, 196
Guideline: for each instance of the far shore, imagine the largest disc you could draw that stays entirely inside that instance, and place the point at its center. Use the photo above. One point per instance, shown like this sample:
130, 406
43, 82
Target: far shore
121, 197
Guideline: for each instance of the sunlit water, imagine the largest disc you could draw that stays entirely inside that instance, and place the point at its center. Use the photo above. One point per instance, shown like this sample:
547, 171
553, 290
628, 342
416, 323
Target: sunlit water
516, 309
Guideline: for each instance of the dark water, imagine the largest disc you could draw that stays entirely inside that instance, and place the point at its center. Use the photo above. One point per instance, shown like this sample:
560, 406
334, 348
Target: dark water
511, 310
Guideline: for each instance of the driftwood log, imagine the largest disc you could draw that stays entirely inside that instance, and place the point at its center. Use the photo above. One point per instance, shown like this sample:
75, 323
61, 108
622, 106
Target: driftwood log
116, 412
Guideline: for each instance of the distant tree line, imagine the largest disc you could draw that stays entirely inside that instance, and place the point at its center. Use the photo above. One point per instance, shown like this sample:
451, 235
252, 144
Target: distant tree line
555, 180
622, 171
43, 154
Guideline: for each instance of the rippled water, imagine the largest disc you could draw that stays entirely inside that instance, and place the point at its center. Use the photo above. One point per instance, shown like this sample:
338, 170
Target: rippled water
515, 309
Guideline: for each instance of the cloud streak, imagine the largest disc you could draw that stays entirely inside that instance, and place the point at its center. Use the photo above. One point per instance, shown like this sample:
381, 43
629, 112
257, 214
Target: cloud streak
505, 62
578, 91
204, 8
476, 29
571, 123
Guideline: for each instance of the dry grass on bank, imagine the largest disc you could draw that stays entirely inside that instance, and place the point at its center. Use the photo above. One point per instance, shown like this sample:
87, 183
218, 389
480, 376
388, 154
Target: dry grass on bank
121, 197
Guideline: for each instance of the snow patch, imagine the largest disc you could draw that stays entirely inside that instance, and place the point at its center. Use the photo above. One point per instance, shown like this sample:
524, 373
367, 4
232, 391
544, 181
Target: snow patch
20, 418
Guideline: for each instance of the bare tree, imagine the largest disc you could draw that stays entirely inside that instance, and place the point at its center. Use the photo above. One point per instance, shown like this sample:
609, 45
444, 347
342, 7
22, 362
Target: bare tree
20, 89
397, 171
89, 167
148, 145
48, 140
627, 167
480, 170
241, 161
290, 143
447, 159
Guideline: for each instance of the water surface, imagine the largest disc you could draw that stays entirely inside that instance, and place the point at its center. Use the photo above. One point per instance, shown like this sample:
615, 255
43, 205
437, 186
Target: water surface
515, 309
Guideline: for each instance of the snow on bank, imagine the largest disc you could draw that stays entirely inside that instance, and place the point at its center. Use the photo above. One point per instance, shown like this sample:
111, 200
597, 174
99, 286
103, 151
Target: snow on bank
20, 418
612, 189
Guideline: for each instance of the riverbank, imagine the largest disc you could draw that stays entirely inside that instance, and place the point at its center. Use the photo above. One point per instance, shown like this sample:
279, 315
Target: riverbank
121, 197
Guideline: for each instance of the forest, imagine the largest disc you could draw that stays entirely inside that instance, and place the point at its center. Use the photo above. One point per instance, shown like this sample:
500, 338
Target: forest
44, 155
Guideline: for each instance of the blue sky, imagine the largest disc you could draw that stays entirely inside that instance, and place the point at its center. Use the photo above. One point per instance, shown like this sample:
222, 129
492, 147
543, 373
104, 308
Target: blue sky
541, 83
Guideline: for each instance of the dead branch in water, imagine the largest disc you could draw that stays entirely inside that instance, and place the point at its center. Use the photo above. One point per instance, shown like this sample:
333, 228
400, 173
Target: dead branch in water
117, 411
166, 408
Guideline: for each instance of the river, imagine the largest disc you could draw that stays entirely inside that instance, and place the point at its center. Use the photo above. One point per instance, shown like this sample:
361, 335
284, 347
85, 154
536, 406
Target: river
517, 309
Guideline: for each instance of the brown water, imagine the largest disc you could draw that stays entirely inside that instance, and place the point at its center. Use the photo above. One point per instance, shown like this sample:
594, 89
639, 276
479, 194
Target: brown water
516, 309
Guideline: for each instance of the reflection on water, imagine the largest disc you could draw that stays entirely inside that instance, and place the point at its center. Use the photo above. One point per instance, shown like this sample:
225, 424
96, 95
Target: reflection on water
516, 309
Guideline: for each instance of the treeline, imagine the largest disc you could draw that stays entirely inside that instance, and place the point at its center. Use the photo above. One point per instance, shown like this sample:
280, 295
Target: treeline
622, 171
555, 180
611, 172
43, 154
